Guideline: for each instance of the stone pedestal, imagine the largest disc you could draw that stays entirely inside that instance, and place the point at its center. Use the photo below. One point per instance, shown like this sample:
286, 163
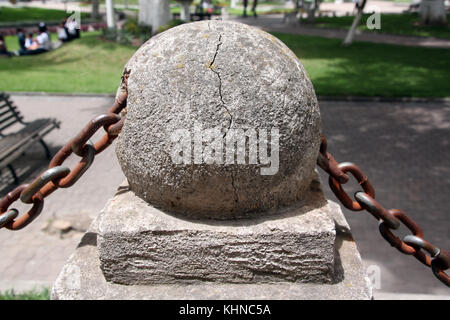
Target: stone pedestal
139, 244
135, 251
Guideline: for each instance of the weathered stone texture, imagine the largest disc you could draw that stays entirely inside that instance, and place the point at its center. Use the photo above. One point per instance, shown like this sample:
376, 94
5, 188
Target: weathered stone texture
140, 244
82, 278
226, 75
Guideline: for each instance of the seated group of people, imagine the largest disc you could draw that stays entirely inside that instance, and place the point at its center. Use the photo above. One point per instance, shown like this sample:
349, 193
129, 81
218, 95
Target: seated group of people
68, 30
30, 45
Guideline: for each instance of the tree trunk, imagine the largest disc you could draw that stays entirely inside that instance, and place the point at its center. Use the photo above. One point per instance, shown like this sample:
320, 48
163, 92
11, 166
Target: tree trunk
95, 9
432, 12
311, 9
155, 13
351, 32
110, 14
185, 13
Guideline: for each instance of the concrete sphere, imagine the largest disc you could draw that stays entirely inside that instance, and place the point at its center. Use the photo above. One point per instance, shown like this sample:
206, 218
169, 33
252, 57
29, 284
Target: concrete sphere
224, 76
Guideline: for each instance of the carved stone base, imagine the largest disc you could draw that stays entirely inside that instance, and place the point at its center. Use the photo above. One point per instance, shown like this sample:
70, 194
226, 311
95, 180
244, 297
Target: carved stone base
134, 252
139, 244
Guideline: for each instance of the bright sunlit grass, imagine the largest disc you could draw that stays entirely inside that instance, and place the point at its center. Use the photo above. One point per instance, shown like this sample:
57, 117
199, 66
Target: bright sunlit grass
87, 65
91, 65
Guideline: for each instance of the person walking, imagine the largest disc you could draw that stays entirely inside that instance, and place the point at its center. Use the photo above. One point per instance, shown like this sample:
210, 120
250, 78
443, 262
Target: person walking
255, 3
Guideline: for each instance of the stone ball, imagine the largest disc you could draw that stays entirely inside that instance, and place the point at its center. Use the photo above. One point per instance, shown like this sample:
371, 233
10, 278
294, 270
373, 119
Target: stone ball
195, 87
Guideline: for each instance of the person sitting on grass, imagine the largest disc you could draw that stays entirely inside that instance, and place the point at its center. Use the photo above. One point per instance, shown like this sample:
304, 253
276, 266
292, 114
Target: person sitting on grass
30, 43
21, 38
62, 32
73, 29
43, 43
3, 49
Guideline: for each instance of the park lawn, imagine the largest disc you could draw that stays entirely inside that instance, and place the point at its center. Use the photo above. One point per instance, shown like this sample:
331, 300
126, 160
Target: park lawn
12, 42
87, 65
400, 24
8, 14
90, 65
369, 69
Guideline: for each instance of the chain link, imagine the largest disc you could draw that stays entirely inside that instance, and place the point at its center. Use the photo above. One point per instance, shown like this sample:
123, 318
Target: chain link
415, 244
59, 176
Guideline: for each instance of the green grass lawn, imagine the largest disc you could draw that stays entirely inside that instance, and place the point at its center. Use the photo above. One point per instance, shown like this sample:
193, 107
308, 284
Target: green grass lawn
369, 69
42, 294
400, 24
8, 14
86, 65
90, 65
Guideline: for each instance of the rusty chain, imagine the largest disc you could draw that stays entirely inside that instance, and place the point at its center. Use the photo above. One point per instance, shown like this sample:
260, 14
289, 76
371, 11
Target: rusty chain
415, 244
59, 176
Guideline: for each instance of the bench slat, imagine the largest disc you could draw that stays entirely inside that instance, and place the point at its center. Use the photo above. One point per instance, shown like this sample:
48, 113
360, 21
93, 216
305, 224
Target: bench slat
13, 145
9, 111
8, 124
7, 117
36, 127
17, 143
6, 112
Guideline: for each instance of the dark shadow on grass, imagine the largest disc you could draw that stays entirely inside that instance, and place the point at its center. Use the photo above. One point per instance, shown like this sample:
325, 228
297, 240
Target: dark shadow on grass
372, 69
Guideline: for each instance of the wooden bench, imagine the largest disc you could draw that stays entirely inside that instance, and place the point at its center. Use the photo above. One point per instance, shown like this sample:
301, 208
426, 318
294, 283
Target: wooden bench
14, 144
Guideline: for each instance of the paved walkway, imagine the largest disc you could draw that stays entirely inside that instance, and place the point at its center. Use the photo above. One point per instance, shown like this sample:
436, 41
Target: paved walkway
403, 147
32, 257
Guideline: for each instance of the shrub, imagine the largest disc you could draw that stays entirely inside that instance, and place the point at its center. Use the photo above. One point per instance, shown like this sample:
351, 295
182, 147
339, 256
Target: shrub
130, 32
171, 24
